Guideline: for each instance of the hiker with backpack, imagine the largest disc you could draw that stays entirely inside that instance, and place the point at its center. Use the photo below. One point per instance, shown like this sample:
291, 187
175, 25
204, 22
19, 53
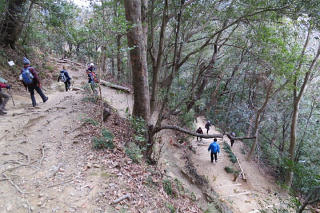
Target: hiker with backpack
65, 78
199, 131
207, 126
92, 78
4, 98
215, 149
31, 81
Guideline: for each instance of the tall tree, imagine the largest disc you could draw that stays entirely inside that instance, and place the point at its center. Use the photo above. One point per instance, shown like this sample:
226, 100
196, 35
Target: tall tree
137, 37
298, 93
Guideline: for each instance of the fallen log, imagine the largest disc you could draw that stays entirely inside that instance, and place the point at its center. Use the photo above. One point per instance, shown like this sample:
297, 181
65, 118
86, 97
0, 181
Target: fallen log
115, 86
239, 138
179, 129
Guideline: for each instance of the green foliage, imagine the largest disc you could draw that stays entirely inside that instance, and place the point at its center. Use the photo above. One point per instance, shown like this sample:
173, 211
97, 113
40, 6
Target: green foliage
139, 125
228, 150
134, 152
90, 121
171, 208
228, 169
167, 187
104, 142
92, 99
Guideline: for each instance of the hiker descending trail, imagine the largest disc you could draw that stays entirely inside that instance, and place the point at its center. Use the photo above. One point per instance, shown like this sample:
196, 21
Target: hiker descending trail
250, 196
215, 149
92, 77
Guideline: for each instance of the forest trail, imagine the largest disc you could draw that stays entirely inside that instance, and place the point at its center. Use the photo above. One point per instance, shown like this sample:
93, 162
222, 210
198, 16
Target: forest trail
258, 193
43, 167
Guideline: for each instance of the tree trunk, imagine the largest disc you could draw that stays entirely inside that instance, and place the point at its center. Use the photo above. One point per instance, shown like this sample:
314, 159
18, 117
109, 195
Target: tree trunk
257, 120
119, 63
158, 61
135, 10
103, 60
256, 127
112, 65
297, 96
11, 27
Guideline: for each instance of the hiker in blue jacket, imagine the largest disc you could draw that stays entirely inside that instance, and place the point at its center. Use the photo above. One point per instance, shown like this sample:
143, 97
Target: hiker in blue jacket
215, 149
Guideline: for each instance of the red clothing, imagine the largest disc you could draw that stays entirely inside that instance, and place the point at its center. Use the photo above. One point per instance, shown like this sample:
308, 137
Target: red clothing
36, 80
2, 85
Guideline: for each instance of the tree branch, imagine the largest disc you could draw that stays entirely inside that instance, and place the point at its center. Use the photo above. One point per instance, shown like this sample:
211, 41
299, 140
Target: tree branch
189, 132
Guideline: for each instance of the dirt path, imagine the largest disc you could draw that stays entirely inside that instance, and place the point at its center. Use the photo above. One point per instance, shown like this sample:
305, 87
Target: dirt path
258, 193
42, 167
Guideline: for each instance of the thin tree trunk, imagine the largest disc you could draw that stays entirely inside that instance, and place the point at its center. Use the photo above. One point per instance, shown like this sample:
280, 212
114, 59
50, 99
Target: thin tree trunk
297, 96
174, 67
119, 63
135, 15
156, 68
104, 59
257, 121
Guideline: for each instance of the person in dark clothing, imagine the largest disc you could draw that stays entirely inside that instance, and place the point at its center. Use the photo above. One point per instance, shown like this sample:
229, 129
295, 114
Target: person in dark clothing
64, 77
31, 81
215, 149
207, 126
92, 78
199, 131
4, 98
231, 137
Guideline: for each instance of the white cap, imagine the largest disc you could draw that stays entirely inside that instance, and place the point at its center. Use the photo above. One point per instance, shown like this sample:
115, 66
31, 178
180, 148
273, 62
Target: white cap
91, 64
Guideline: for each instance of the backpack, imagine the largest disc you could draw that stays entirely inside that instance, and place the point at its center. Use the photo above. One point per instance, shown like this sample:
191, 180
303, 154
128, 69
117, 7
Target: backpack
27, 76
94, 76
63, 77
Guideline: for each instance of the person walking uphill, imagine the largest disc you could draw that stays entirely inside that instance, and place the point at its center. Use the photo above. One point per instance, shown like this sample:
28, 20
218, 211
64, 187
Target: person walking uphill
215, 149
65, 78
31, 81
3, 98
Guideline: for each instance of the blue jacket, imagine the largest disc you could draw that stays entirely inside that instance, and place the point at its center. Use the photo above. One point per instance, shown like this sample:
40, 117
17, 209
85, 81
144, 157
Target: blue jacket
214, 147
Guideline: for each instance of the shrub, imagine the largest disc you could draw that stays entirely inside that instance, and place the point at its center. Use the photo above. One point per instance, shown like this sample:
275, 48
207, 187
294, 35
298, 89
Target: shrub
228, 170
228, 150
167, 187
106, 141
134, 152
90, 121
171, 208
92, 99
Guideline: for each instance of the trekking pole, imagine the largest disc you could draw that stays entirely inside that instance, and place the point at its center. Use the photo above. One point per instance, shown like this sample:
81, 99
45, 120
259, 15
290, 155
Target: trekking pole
9, 91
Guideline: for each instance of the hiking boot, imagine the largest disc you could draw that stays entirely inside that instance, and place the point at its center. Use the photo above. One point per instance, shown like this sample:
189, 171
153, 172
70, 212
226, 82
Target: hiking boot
2, 112
45, 100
